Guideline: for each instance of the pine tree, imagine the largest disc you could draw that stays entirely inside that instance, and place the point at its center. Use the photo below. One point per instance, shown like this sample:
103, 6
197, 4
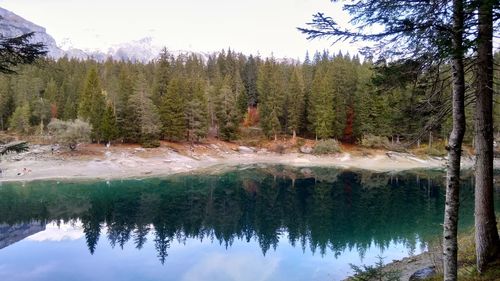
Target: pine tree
91, 90
172, 111
51, 93
19, 50
98, 112
250, 81
307, 70
108, 127
296, 101
364, 104
162, 76
20, 119
426, 32
196, 111
92, 104
486, 232
239, 90
6, 103
41, 113
125, 115
51, 89
271, 91
227, 111
147, 116
322, 115
69, 94
344, 79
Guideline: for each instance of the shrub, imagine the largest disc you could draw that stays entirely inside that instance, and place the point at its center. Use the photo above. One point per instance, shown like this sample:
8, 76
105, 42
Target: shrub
372, 141
300, 142
327, 146
438, 149
437, 152
70, 132
278, 148
251, 136
15, 147
375, 272
20, 120
150, 143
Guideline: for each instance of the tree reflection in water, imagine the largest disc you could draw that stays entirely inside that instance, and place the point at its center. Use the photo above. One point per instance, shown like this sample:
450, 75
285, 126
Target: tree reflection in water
315, 208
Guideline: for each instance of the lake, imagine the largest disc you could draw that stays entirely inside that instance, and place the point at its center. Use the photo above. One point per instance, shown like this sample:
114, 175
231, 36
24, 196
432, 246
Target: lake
254, 223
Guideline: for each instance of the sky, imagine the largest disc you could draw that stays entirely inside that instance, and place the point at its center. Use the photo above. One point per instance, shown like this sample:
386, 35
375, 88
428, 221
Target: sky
262, 27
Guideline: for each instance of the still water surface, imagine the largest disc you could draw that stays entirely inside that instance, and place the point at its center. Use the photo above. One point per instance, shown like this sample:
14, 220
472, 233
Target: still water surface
255, 223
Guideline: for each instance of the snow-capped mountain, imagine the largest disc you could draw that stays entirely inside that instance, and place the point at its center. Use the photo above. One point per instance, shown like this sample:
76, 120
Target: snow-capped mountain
142, 50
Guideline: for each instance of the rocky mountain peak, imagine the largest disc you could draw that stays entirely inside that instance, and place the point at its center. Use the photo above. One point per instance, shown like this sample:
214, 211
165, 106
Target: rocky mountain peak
142, 50
12, 25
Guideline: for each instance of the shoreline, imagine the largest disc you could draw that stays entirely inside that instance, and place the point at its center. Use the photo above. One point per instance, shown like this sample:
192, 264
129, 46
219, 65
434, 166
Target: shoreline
408, 266
93, 162
117, 162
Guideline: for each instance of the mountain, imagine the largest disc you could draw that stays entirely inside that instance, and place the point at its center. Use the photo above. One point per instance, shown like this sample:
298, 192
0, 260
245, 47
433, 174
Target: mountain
142, 50
12, 25
10, 234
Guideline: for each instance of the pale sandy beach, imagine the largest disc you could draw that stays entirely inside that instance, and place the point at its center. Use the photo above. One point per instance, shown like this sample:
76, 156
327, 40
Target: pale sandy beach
129, 162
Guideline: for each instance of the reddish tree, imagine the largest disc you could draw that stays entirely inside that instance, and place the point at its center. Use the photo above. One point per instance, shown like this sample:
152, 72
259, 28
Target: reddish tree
53, 110
348, 131
252, 117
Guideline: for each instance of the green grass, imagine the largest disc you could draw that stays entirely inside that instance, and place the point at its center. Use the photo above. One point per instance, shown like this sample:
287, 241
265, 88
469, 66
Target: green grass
467, 270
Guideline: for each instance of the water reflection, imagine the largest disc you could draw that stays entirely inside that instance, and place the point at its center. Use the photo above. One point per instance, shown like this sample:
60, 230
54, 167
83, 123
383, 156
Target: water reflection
317, 209
10, 234
55, 232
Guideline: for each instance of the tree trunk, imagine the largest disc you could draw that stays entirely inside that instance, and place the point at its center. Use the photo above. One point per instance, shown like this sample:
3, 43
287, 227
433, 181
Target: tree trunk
486, 234
450, 245
41, 126
430, 139
294, 134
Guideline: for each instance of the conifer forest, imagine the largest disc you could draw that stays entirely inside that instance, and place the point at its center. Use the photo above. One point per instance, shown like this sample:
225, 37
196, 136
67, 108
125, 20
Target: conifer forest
188, 97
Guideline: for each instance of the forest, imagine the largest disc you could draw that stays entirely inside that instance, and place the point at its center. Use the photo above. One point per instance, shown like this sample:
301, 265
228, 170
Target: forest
188, 97
428, 72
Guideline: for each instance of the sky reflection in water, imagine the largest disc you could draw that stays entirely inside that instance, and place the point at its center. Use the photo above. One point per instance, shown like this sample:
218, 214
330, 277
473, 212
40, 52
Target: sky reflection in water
39, 258
273, 223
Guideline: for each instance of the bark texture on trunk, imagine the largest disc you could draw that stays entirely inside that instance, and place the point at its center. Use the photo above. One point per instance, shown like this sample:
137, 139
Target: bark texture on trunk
450, 245
486, 234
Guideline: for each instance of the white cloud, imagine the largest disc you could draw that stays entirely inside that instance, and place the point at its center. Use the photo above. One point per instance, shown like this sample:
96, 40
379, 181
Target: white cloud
241, 267
7, 273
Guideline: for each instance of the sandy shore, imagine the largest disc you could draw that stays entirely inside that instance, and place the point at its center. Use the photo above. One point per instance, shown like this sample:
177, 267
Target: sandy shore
98, 162
128, 162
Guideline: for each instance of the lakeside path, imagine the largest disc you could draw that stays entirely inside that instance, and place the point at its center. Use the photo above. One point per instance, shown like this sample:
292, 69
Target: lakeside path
116, 162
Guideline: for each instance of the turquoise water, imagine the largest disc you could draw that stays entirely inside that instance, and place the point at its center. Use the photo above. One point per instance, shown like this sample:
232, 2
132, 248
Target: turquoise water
255, 223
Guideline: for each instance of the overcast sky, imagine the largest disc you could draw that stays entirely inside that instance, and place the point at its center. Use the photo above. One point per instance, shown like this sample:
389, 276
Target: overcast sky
249, 26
